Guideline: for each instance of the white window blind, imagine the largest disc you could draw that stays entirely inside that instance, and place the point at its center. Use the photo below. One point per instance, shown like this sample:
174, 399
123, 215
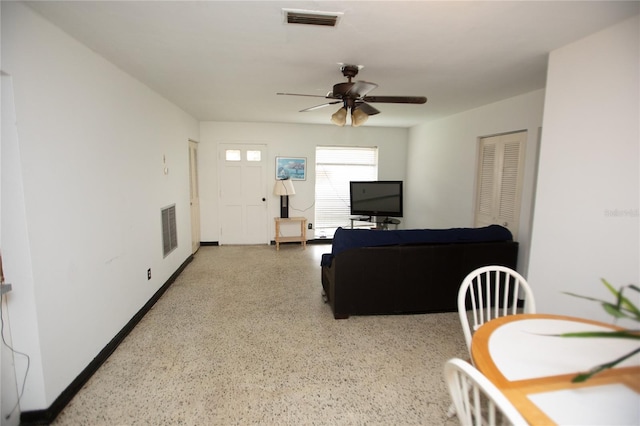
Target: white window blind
335, 168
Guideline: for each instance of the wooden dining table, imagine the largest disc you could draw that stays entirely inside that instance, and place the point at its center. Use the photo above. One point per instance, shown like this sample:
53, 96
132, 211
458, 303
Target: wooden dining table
523, 356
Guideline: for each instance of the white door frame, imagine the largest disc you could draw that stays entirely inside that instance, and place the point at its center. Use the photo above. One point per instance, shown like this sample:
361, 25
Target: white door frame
194, 195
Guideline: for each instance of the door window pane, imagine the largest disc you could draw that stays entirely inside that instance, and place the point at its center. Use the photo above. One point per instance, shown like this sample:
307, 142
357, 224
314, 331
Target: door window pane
232, 155
254, 155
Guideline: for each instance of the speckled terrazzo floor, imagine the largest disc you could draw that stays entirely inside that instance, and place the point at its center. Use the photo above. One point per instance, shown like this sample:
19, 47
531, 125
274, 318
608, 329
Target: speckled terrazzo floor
242, 337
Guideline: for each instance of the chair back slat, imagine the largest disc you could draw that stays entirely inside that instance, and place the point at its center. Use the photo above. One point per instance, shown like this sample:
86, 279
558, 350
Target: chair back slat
491, 292
477, 401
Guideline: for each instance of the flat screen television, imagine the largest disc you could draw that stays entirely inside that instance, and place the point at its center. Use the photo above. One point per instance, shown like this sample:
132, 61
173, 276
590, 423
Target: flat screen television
376, 198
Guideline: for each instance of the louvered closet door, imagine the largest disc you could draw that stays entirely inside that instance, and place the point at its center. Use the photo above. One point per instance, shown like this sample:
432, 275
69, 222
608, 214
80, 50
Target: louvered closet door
499, 191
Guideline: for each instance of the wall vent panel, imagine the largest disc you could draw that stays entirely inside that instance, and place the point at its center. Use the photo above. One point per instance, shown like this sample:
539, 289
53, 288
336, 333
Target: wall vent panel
169, 231
311, 17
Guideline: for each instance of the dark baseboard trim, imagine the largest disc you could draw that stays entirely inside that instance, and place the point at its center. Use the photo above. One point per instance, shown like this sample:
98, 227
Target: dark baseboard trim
321, 241
45, 417
316, 241
273, 243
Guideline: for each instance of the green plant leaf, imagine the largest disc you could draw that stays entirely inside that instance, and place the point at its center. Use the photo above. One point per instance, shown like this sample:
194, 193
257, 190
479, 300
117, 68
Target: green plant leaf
623, 301
622, 308
584, 297
614, 310
616, 334
597, 369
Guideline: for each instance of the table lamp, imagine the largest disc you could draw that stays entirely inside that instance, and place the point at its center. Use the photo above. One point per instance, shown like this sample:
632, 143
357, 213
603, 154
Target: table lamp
284, 188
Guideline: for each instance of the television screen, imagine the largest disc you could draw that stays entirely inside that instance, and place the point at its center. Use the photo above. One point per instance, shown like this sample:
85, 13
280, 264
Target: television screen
376, 198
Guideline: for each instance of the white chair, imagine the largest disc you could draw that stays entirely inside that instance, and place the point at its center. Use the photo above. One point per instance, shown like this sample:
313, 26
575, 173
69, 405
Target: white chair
491, 292
477, 401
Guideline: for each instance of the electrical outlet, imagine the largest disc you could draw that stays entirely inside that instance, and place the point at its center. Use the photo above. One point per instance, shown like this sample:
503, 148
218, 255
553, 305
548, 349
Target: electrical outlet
310, 226
149, 274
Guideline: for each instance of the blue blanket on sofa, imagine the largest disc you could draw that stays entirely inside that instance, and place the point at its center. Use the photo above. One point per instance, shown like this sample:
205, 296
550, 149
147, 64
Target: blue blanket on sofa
345, 239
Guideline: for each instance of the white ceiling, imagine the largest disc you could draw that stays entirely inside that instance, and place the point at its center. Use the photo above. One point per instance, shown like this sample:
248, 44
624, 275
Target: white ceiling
226, 60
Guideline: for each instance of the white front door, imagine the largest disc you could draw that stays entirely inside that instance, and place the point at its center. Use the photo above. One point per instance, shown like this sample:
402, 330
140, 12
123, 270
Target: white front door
243, 194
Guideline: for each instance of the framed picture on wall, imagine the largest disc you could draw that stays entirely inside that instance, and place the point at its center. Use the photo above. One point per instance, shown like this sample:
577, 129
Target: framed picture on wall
294, 168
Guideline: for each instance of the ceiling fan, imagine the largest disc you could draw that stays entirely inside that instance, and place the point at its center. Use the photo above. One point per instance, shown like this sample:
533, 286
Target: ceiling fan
353, 96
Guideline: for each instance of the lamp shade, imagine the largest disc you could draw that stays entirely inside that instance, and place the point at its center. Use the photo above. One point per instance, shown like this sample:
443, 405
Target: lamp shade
284, 187
358, 117
340, 117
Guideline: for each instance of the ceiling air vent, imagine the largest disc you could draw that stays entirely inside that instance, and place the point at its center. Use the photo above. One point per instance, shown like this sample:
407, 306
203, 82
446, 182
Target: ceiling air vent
311, 17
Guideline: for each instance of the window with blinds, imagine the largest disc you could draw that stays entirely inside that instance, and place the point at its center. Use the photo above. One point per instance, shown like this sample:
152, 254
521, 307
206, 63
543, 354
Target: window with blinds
335, 168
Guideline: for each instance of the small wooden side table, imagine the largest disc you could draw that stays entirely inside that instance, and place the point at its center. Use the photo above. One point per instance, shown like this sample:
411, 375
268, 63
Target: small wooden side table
302, 238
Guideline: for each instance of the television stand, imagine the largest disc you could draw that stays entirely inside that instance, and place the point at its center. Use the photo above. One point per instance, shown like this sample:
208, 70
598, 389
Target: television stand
382, 223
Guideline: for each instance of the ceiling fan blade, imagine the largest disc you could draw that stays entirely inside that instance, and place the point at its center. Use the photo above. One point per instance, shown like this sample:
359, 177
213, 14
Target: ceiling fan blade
320, 106
299, 94
367, 109
396, 99
361, 88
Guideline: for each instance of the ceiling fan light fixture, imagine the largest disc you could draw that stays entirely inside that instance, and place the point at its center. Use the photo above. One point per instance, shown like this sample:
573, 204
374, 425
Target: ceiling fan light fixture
358, 117
354, 96
340, 117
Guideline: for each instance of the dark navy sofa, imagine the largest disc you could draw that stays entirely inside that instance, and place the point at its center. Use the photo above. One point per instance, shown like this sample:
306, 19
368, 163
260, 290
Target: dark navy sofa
370, 272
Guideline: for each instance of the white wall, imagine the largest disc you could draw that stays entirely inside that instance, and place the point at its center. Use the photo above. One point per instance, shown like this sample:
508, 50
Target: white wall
11, 212
586, 215
91, 142
442, 165
290, 140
